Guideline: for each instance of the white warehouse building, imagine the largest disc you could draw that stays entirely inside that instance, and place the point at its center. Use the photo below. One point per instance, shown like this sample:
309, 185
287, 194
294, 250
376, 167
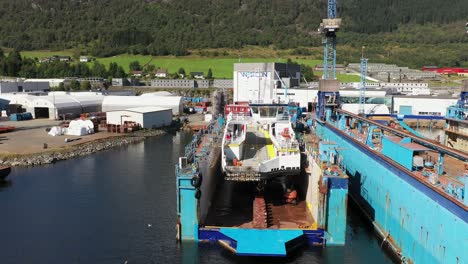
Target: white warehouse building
56, 106
113, 103
147, 117
422, 105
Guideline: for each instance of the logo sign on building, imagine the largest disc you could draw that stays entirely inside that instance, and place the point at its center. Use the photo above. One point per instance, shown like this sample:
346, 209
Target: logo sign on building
254, 74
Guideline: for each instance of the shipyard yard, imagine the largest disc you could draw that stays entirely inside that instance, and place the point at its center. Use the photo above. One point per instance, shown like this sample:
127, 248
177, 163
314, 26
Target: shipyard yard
250, 132
237, 168
30, 137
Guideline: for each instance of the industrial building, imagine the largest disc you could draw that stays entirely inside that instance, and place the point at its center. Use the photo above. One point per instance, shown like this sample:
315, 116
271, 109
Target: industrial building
53, 83
189, 84
125, 82
398, 104
173, 83
446, 70
113, 103
369, 109
223, 83
147, 117
160, 93
258, 82
23, 87
422, 105
306, 97
56, 105
394, 73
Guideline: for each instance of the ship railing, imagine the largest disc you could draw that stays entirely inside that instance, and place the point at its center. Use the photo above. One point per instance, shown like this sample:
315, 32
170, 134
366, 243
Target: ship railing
240, 117
290, 144
282, 118
212, 130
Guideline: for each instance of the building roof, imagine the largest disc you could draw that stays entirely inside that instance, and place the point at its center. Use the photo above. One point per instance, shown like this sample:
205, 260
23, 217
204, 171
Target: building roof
161, 71
161, 93
111, 103
144, 109
337, 66
426, 96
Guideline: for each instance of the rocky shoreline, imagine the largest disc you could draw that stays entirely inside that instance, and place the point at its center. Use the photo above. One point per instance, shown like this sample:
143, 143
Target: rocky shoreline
79, 150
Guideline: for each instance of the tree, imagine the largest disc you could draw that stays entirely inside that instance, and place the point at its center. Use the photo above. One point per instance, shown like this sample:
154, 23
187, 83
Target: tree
75, 85
85, 85
113, 68
116, 71
99, 70
181, 72
82, 70
120, 73
61, 87
210, 74
135, 66
308, 73
28, 69
13, 63
149, 69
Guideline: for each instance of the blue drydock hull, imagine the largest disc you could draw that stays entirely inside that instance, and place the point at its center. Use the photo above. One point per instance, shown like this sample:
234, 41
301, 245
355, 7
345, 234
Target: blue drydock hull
261, 242
420, 224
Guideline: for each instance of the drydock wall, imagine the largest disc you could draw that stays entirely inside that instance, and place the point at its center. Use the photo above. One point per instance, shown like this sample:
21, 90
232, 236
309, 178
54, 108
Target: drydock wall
424, 226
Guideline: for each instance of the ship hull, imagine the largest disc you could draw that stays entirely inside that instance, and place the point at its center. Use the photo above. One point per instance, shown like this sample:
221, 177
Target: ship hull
4, 172
419, 224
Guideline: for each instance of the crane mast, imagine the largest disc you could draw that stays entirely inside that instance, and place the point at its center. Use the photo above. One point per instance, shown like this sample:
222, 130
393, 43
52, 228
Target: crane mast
328, 28
328, 95
362, 88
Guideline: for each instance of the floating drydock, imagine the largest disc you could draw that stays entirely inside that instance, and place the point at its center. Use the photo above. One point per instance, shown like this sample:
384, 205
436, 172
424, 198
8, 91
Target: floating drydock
256, 189
412, 190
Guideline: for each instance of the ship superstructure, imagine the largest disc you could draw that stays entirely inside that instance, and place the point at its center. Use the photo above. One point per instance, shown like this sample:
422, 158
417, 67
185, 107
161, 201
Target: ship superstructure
261, 145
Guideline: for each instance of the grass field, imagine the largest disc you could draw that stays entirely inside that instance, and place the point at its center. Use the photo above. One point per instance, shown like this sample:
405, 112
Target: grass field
222, 67
45, 54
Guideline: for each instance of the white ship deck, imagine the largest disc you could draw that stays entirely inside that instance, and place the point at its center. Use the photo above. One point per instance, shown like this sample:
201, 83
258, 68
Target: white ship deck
255, 150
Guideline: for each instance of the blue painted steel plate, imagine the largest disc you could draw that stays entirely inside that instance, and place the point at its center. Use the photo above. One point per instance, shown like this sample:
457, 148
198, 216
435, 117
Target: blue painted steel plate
261, 242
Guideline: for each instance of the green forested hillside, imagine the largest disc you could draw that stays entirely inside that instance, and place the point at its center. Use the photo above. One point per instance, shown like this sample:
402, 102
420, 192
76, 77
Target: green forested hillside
162, 27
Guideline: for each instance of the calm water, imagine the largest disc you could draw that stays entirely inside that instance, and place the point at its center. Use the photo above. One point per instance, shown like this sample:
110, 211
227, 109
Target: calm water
120, 205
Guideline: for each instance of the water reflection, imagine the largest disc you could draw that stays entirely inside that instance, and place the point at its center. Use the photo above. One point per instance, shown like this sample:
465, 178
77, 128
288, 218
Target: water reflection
5, 184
